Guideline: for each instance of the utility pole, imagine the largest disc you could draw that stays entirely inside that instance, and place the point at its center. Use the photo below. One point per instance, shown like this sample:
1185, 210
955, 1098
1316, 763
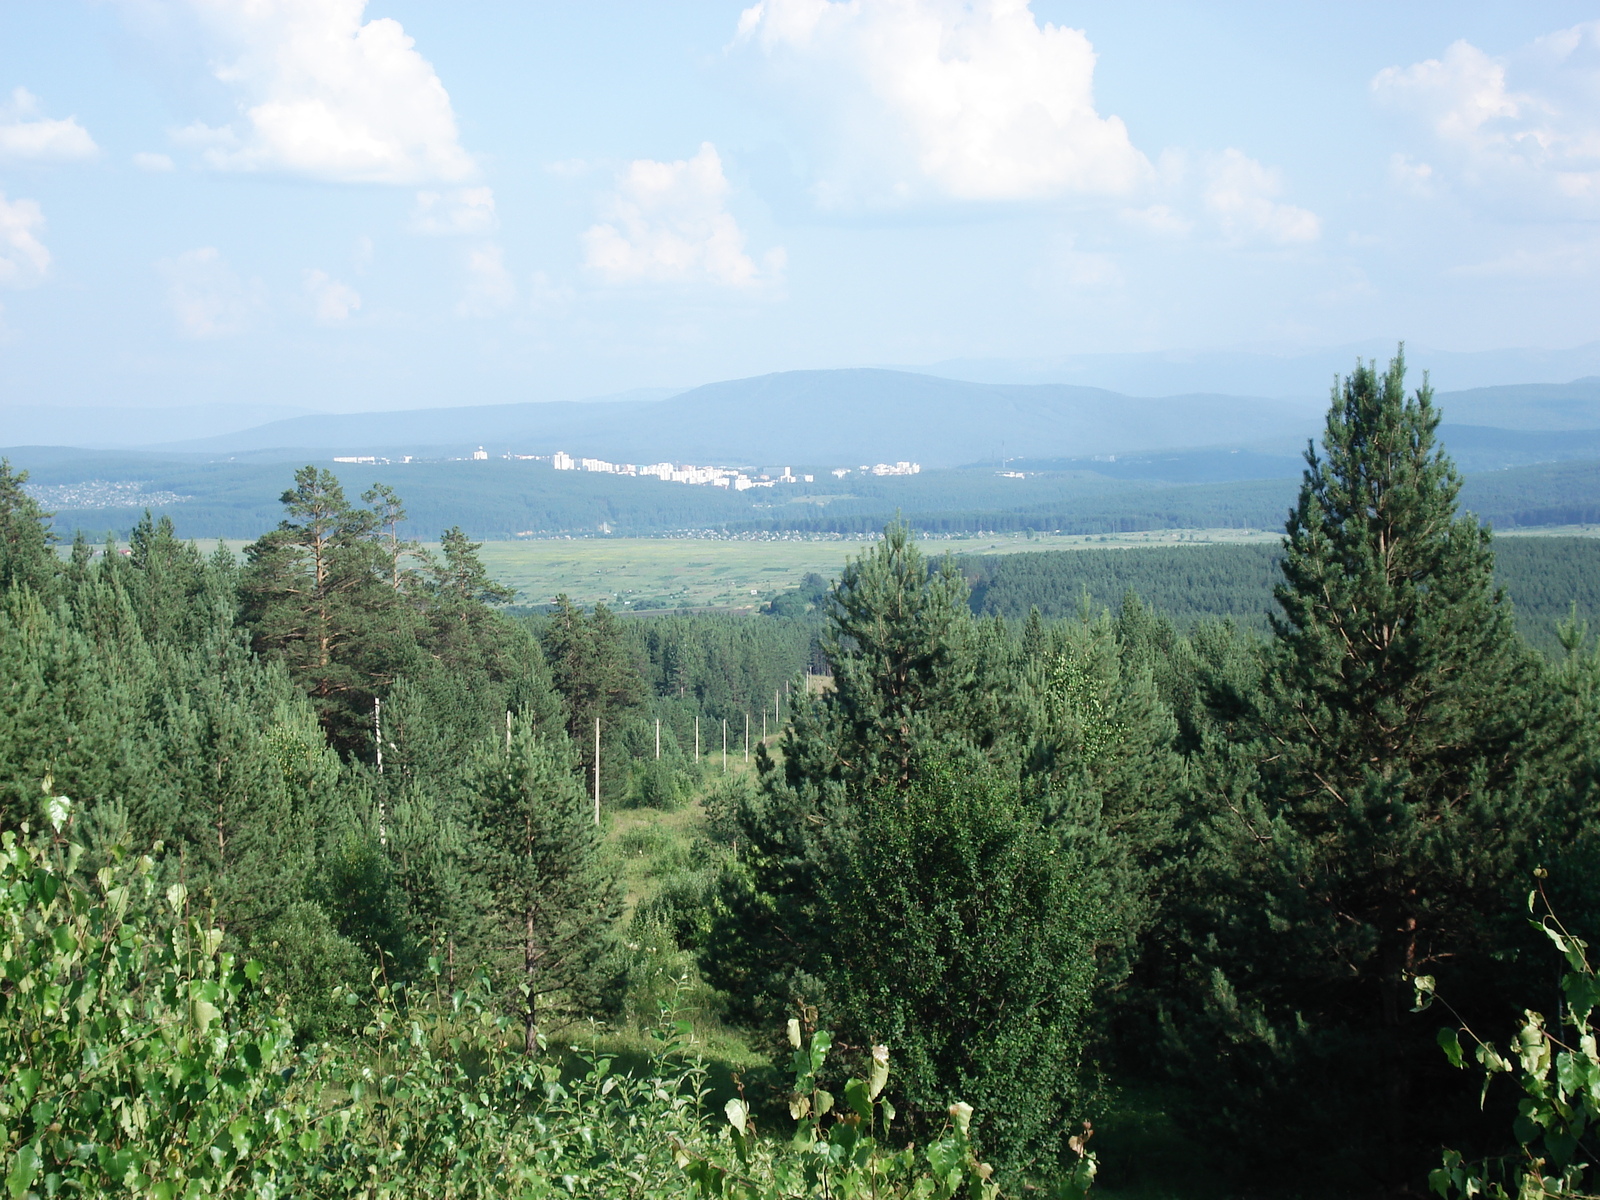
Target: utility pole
597, 770
377, 736
658, 737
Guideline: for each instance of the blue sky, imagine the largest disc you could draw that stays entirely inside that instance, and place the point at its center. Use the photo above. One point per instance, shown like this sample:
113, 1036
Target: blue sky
343, 205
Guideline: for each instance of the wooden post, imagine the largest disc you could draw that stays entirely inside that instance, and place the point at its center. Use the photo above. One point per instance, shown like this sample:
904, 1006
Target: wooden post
597, 770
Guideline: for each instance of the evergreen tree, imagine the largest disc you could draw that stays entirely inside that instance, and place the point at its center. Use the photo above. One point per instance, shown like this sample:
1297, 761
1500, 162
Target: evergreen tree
903, 675
962, 941
907, 688
26, 559
1105, 776
553, 893
594, 668
1405, 753
318, 596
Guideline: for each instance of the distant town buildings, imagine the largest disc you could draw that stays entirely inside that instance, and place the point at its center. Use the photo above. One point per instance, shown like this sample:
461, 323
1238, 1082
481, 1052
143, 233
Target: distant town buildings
723, 477
900, 468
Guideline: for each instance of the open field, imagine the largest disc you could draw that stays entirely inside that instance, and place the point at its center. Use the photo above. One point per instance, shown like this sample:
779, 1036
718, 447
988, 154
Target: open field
728, 572
732, 573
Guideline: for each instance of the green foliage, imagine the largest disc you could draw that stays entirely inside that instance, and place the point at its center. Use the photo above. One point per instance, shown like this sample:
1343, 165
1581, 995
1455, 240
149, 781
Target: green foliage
324, 595
962, 938
843, 1145
596, 673
1371, 804
126, 1066
895, 872
26, 559
552, 892
143, 1060
1558, 1074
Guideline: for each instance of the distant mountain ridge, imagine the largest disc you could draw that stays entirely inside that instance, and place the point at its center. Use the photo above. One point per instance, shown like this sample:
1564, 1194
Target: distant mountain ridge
844, 417
1305, 373
863, 415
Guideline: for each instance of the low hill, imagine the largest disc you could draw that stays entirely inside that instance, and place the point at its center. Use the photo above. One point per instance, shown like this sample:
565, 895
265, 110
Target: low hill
844, 417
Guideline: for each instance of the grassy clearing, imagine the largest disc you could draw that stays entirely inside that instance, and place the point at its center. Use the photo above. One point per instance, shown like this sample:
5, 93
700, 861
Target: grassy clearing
649, 573
658, 849
673, 572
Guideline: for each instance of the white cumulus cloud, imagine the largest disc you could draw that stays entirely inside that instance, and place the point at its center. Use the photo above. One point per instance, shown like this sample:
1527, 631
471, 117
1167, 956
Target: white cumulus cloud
1522, 130
958, 99
1242, 197
24, 134
325, 94
490, 288
463, 211
208, 299
669, 222
332, 302
24, 259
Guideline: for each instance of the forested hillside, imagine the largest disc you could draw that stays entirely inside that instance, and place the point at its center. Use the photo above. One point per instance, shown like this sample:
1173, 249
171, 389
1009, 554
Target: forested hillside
1546, 580
105, 494
324, 875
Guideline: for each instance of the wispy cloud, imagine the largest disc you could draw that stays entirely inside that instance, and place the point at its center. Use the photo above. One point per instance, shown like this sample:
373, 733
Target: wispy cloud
463, 211
489, 288
208, 298
1520, 131
24, 259
24, 134
669, 222
324, 94
332, 302
1242, 196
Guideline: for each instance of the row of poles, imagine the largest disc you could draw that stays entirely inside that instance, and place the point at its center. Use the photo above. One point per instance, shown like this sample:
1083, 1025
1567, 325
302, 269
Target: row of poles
377, 729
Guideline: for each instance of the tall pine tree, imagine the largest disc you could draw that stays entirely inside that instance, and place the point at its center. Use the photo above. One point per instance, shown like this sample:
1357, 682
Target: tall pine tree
1406, 755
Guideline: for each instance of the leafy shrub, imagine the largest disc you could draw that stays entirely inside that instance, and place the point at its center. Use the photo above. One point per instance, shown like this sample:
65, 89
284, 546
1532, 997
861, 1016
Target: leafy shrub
658, 783
682, 906
125, 1063
138, 1058
851, 1155
1558, 1072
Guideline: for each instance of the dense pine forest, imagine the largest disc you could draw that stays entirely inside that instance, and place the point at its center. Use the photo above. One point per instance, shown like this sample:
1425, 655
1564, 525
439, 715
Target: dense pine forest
1548, 580
325, 873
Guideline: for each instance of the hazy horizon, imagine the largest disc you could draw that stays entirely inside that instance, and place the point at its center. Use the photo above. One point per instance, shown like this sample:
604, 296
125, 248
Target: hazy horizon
358, 205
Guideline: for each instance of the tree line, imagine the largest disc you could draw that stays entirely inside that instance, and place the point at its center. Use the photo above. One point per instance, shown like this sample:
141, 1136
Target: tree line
1027, 856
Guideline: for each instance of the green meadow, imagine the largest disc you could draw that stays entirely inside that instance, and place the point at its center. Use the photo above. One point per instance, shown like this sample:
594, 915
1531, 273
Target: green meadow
646, 573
